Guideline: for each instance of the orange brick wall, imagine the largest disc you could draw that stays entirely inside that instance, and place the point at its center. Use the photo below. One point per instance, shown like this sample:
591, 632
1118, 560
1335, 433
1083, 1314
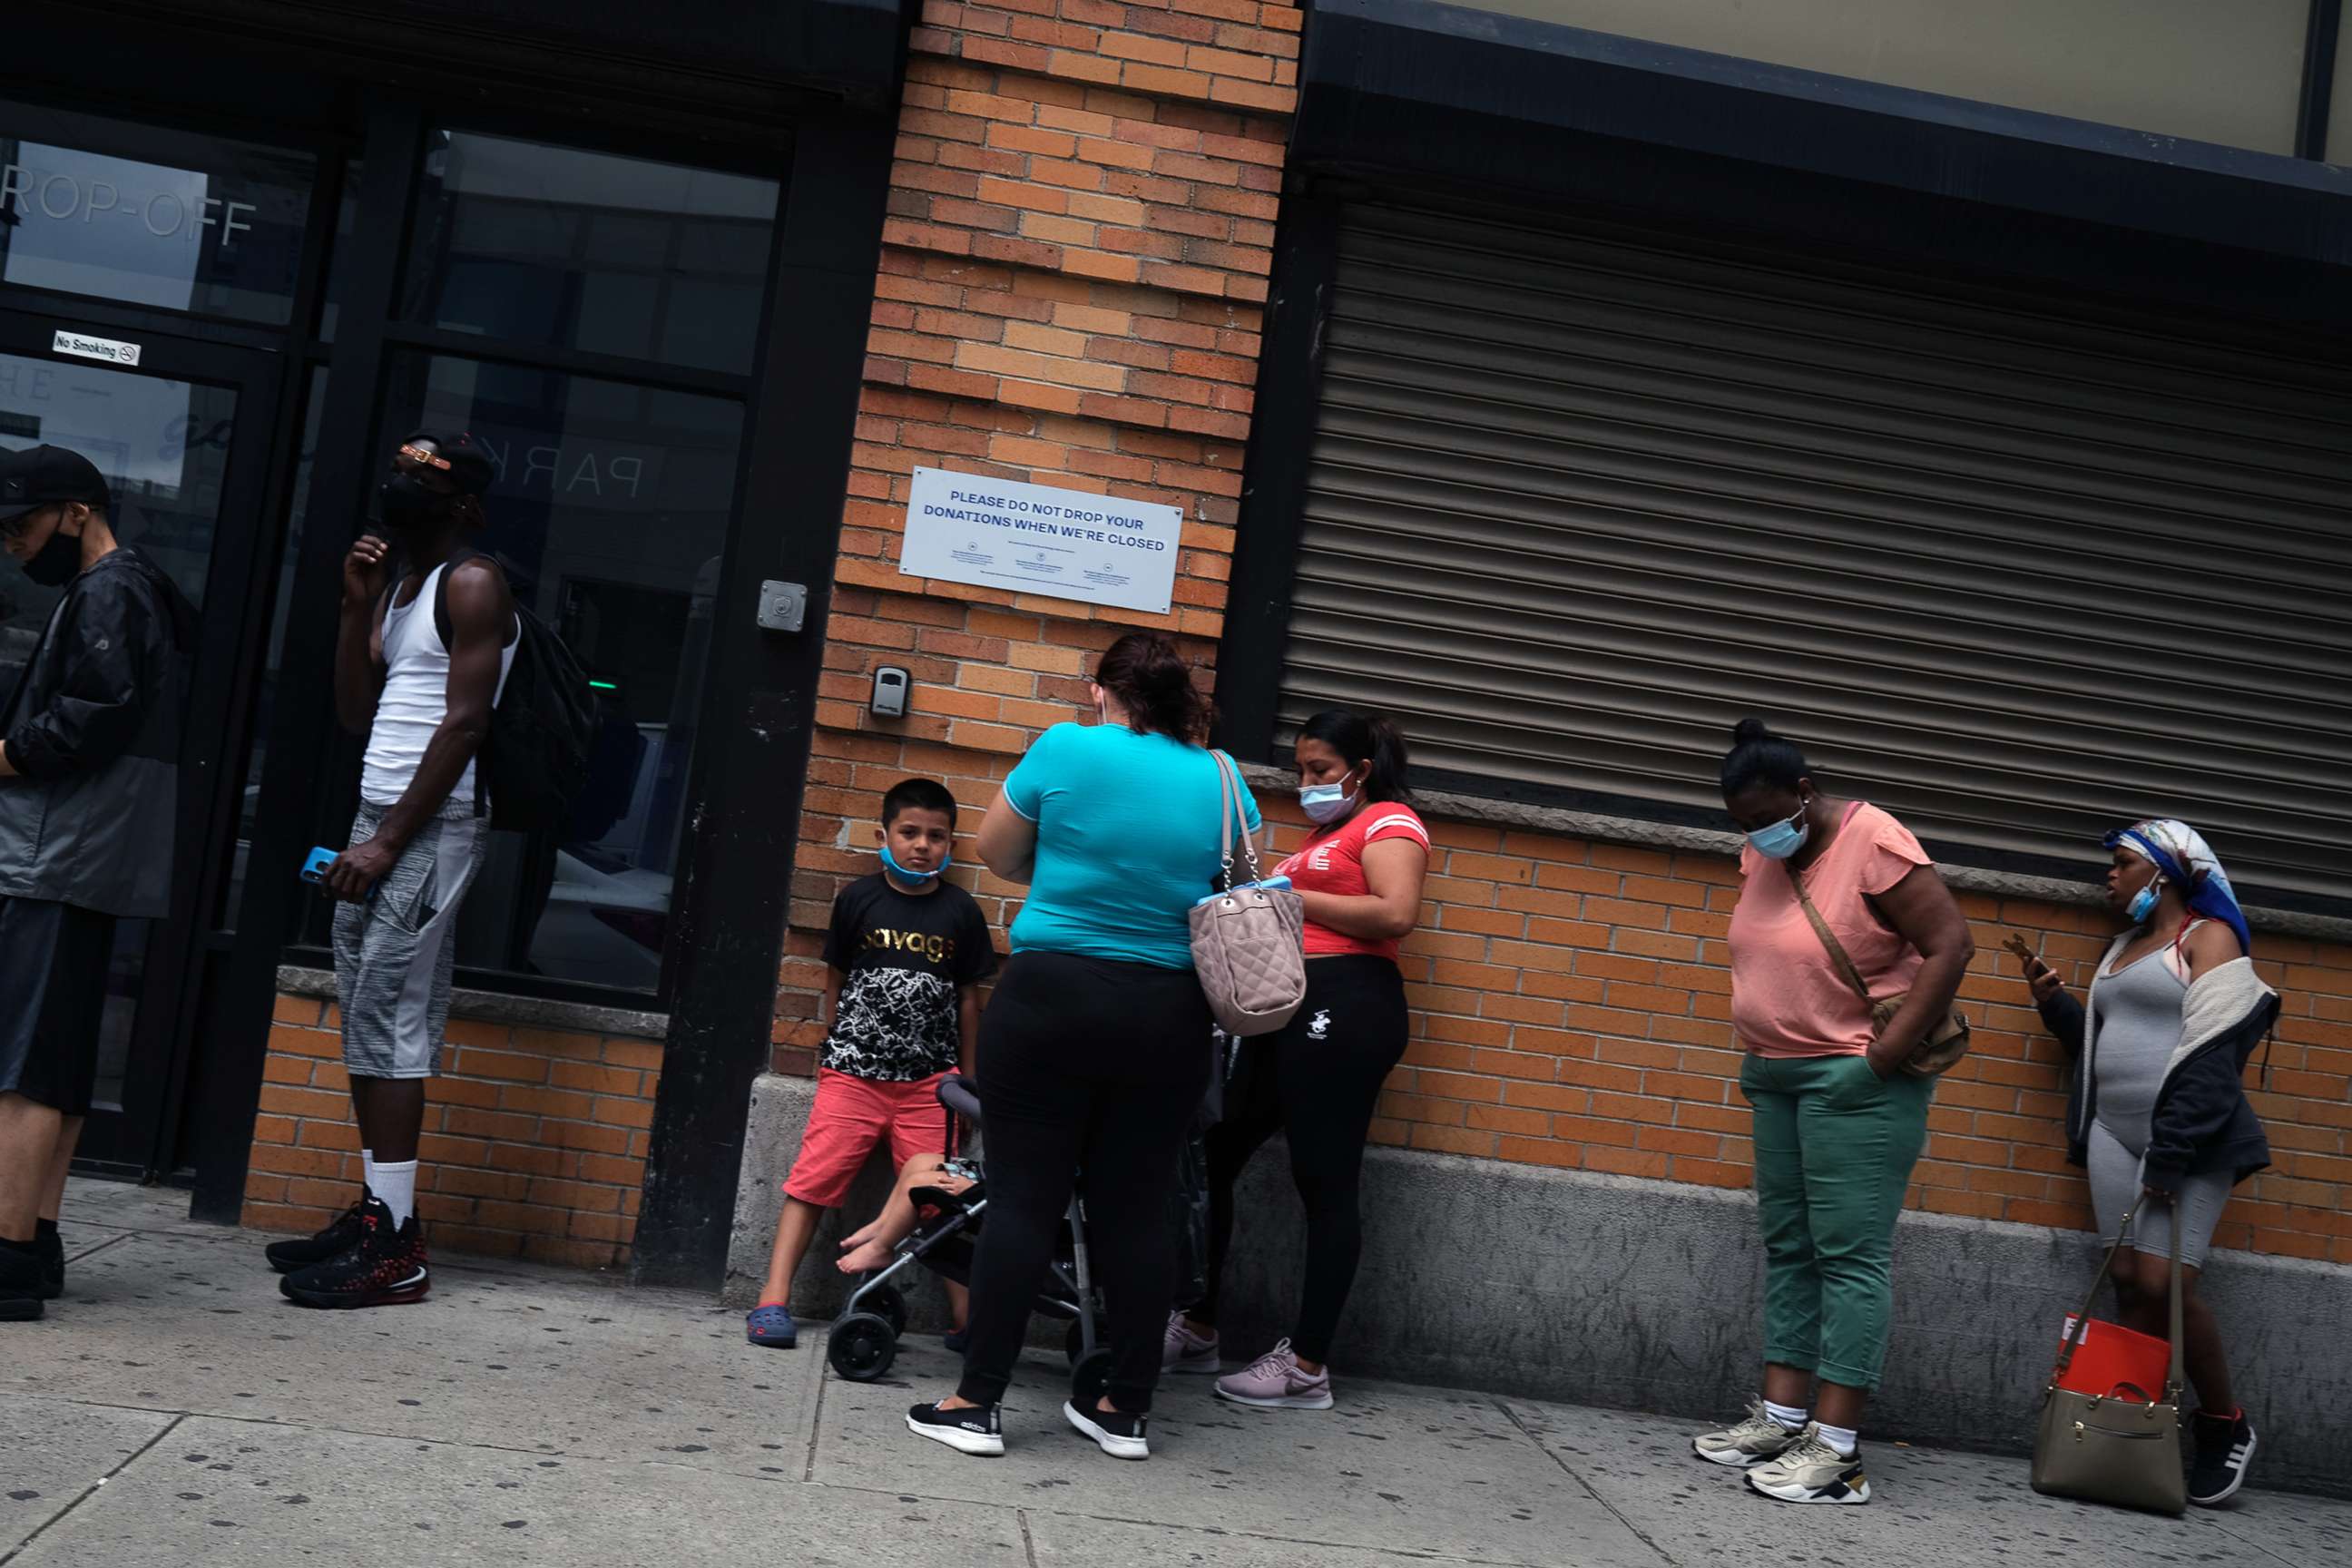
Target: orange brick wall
1070, 292
1081, 223
534, 1140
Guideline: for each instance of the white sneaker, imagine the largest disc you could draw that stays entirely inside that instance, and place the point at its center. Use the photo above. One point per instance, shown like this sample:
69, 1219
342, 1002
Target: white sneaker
1812, 1471
1755, 1441
1119, 1435
1181, 1350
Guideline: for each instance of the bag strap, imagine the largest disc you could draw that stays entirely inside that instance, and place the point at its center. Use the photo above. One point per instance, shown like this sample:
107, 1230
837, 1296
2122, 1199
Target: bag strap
2082, 1329
1229, 811
1828, 938
2176, 1378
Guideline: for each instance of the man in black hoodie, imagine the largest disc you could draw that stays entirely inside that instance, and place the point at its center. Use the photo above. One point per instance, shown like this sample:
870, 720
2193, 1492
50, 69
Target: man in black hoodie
89, 745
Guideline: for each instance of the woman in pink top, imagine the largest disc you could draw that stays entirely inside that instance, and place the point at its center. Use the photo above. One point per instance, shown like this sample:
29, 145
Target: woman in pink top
1318, 1077
1838, 1122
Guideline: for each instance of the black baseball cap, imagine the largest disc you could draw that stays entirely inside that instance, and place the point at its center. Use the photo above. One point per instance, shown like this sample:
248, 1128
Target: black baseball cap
41, 475
459, 455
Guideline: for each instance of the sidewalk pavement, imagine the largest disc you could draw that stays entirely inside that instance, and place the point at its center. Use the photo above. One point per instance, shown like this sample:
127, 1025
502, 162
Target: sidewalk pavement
173, 1408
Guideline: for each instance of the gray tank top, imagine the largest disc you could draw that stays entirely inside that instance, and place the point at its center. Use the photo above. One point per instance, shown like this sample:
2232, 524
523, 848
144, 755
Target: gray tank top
2135, 1024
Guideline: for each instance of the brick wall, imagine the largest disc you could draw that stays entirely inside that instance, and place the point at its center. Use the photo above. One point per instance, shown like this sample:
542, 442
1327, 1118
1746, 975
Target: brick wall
1572, 1003
534, 1139
1071, 292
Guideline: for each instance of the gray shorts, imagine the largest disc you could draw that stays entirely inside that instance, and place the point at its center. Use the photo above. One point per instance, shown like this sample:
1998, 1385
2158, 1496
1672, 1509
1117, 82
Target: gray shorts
396, 954
2114, 1186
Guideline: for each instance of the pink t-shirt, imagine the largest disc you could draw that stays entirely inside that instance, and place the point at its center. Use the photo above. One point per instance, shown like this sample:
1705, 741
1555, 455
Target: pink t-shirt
1333, 862
1788, 995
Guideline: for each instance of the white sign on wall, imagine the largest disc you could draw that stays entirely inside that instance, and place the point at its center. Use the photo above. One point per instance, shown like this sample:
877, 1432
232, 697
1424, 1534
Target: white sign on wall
1034, 538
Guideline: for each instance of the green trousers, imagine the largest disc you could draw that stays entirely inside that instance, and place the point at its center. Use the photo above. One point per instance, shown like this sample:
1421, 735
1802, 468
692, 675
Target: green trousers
1834, 1148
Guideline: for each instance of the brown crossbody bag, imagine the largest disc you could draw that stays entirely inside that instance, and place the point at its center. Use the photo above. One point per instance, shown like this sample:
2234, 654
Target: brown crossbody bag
1939, 1051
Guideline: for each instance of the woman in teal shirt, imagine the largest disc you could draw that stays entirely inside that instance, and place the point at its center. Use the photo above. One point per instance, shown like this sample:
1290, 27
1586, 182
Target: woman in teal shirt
1094, 1049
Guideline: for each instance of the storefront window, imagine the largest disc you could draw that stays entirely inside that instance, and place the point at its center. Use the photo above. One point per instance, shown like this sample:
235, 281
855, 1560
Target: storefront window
609, 513
84, 209
556, 246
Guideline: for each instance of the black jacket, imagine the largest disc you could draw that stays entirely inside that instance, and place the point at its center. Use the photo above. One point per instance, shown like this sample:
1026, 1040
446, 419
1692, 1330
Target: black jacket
2202, 1119
93, 728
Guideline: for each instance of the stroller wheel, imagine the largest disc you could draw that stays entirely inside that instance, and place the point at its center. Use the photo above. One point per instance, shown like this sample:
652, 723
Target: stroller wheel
862, 1346
885, 1301
1090, 1378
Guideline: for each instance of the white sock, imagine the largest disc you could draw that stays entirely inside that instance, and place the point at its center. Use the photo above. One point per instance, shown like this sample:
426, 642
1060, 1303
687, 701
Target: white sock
1841, 1438
396, 1185
367, 1168
1792, 1416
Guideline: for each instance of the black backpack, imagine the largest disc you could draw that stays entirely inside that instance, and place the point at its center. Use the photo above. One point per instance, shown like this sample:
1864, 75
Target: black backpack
535, 759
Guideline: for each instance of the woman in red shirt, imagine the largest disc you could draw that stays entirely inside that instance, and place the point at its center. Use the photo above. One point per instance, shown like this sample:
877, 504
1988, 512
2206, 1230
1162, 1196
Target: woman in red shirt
1318, 1077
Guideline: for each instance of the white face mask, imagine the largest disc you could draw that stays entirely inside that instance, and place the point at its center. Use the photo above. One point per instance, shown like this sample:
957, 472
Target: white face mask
1326, 803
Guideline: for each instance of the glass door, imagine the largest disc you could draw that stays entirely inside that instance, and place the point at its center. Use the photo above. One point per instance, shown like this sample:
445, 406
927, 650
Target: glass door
180, 428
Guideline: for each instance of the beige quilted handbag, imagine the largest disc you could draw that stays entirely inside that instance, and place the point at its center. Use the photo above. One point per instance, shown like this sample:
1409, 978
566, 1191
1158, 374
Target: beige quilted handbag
1248, 941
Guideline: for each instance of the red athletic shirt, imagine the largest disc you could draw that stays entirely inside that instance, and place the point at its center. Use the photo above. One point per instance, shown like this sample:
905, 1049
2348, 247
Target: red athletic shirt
1333, 862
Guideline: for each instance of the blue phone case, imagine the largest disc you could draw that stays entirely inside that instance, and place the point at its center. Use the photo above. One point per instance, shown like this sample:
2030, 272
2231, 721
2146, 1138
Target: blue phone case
314, 869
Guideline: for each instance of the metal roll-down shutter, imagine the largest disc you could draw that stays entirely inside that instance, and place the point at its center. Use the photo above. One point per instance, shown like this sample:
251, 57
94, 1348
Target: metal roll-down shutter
2020, 571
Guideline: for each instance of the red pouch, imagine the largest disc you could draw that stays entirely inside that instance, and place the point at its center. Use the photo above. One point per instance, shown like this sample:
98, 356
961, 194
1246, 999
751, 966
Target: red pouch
2116, 1361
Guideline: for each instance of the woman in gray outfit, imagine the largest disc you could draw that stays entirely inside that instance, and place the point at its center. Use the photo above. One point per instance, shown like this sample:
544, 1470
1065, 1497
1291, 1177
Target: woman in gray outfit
2159, 1106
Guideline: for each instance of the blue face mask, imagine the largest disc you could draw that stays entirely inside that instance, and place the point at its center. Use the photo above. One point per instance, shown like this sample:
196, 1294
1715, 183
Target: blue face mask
1779, 840
905, 876
2142, 903
1326, 802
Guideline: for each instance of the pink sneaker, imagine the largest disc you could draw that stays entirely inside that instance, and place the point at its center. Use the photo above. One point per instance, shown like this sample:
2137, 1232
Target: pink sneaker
1273, 1382
1183, 1351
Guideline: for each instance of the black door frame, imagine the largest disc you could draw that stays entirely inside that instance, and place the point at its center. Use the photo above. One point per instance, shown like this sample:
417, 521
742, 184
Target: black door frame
144, 1142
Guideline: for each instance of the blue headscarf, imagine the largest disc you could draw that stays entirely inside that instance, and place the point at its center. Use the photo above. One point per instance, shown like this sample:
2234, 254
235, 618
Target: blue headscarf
2189, 863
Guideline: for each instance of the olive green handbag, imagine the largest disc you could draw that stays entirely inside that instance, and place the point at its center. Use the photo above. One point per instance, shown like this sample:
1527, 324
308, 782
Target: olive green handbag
2105, 1449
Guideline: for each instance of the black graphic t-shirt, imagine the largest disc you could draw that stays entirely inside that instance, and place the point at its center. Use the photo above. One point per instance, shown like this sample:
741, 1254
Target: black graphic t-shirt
901, 956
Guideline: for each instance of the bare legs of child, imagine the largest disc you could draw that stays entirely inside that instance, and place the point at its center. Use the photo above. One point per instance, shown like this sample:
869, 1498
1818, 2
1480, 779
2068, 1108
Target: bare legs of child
869, 1247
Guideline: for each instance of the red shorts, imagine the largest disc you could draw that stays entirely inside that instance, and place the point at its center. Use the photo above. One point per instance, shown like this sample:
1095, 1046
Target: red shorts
853, 1114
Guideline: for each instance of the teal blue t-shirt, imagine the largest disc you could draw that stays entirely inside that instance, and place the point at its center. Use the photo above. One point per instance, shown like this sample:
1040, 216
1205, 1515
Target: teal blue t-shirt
1126, 843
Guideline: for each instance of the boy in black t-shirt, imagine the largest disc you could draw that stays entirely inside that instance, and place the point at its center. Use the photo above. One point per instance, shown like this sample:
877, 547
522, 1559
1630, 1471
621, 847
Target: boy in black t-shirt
905, 952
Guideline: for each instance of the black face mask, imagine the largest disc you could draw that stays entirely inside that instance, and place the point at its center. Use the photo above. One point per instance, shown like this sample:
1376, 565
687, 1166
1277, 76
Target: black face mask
57, 563
408, 506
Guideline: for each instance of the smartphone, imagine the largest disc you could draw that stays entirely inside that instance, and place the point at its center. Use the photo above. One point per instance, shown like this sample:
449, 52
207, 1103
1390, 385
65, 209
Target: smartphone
1271, 884
314, 868
2025, 954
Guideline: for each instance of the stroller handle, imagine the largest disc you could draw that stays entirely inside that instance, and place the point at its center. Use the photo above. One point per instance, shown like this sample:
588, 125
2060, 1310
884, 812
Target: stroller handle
956, 1093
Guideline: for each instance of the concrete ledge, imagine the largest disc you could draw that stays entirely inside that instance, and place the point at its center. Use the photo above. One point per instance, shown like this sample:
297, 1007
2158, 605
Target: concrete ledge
497, 1007
1647, 1295
1671, 837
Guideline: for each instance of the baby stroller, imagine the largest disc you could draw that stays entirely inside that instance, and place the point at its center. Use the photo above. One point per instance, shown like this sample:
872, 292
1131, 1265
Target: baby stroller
865, 1340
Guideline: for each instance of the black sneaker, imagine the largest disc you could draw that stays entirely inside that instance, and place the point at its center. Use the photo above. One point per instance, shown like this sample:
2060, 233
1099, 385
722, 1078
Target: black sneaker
341, 1236
1118, 1433
385, 1269
20, 1285
977, 1429
2225, 1445
52, 1258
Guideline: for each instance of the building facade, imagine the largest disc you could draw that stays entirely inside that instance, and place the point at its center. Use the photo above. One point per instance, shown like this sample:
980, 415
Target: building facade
1568, 379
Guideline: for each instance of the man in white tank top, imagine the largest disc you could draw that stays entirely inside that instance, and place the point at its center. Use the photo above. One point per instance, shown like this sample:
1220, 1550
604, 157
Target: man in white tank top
419, 665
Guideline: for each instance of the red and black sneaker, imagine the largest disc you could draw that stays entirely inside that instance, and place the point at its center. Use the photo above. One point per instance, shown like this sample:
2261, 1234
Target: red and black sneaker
341, 1236
386, 1268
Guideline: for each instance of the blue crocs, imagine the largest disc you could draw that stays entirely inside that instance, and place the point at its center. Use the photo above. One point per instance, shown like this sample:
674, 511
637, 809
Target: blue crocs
771, 1326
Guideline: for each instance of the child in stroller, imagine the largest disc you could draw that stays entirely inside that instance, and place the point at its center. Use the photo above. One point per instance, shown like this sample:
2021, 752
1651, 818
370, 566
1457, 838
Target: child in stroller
945, 1225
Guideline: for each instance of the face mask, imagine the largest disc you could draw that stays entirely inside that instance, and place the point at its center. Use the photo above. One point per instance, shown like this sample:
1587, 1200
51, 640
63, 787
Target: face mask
1326, 802
2142, 903
407, 504
1781, 839
57, 562
905, 876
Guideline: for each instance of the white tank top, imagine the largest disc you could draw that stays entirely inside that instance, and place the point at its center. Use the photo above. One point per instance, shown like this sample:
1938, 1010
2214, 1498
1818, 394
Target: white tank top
415, 697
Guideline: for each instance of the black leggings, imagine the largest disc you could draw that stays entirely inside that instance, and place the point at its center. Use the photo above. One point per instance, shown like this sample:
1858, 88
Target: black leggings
1088, 1065
1318, 1079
